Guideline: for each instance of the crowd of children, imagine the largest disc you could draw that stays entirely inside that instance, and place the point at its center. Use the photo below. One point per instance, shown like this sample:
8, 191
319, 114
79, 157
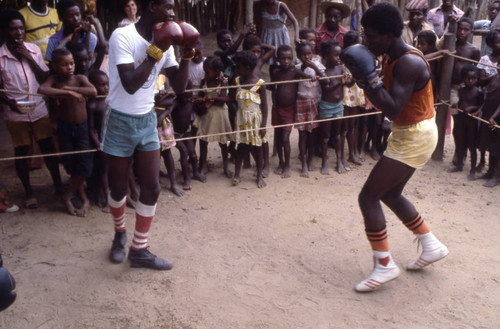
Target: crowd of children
233, 111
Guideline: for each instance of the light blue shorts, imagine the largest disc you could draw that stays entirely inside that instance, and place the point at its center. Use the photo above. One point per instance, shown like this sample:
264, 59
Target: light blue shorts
123, 134
331, 110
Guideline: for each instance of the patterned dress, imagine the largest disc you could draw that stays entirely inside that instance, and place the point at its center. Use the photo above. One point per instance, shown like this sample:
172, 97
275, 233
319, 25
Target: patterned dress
249, 115
274, 31
215, 121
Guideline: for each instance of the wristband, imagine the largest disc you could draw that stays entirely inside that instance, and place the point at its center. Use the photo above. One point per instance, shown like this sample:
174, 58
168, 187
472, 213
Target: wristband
375, 84
154, 52
189, 58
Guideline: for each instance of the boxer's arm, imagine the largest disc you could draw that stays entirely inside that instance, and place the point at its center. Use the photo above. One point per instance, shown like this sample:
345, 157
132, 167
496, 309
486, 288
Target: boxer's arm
409, 73
178, 76
133, 78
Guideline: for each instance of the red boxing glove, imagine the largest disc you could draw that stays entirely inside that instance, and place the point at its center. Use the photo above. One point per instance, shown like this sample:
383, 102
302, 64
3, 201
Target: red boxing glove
190, 33
166, 33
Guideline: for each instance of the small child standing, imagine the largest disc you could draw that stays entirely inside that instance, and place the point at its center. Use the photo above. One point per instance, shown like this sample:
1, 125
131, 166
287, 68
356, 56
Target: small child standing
283, 110
181, 118
487, 140
307, 104
95, 114
252, 114
72, 126
331, 105
470, 100
263, 52
226, 51
354, 103
216, 118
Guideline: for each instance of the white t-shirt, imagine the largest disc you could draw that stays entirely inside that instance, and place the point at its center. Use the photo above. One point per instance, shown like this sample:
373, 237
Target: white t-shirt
127, 46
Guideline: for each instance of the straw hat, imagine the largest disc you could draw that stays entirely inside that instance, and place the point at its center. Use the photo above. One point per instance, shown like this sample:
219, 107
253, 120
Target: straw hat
417, 5
325, 4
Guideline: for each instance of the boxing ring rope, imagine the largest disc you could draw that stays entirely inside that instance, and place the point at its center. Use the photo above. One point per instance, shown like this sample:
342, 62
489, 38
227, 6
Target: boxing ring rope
245, 130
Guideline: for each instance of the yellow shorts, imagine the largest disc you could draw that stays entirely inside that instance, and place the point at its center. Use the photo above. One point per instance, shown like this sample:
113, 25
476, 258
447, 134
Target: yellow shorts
20, 132
413, 144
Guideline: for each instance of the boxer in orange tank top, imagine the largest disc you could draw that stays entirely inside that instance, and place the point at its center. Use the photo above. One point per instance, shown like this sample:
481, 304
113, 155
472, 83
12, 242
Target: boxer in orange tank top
404, 95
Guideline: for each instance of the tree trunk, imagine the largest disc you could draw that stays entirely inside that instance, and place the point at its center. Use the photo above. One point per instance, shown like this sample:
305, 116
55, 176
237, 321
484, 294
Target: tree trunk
313, 13
444, 90
248, 11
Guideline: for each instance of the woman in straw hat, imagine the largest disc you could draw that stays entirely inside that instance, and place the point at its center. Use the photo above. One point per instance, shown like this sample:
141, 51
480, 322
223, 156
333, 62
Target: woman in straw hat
335, 11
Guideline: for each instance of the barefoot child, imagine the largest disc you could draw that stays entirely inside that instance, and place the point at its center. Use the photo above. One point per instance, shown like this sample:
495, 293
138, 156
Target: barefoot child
331, 105
181, 118
226, 51
307, 104
164, 102
486, 135
263, 52
464, 49
72, 125
487, 73
252, 114
216, 118
354, 103
283, 110
470, 100
95, 113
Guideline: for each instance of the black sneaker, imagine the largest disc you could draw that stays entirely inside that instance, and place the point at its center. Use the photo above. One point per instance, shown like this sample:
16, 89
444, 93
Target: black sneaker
117, 254
144, 258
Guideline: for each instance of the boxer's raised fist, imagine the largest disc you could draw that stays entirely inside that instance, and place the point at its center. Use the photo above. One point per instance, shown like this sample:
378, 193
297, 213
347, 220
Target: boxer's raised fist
190, 34
7, 285
360, 62
166, 33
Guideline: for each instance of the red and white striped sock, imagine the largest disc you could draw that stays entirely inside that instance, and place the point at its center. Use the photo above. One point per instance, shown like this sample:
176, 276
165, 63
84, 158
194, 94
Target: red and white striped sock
117, 209
143, 217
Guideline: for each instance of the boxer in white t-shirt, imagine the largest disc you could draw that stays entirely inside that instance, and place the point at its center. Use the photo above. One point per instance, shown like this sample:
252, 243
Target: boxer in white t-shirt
138, 53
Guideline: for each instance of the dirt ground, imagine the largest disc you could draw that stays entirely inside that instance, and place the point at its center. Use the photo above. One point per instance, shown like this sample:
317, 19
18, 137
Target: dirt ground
286, 256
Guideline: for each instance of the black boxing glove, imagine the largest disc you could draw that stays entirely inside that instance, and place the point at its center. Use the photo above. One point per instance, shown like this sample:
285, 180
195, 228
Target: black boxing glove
7, 285
361, 63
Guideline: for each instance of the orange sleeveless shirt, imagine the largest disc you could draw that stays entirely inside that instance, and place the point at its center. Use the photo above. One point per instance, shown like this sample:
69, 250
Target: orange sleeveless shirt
420, 106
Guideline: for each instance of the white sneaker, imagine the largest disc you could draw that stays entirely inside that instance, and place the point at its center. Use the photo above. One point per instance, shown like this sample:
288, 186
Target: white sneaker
432, 251
12, 208
385, 270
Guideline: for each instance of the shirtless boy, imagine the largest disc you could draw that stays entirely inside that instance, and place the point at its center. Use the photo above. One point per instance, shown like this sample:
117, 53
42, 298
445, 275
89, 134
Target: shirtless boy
331, 105
181, 118
470, 100
95, 112
468, 50
72, 126
283, 111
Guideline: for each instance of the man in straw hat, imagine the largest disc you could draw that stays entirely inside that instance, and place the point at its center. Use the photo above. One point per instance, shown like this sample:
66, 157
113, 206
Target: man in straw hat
417, 10
404, 95
335, 11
